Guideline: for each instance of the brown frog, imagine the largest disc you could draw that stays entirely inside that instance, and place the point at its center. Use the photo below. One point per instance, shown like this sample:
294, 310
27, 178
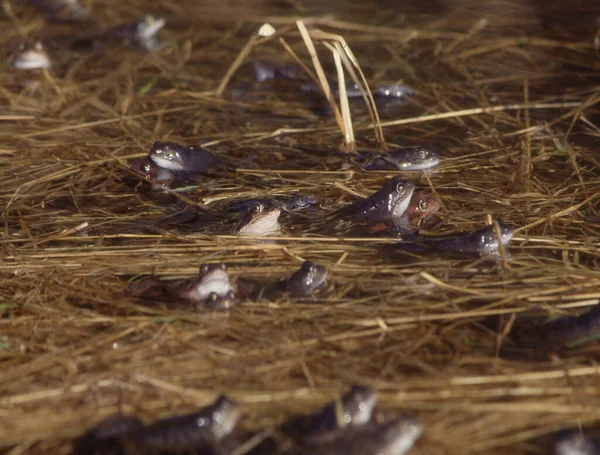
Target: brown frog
422, 207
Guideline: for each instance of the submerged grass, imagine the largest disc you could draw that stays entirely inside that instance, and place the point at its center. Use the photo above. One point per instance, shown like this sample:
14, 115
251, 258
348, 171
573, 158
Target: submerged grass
515, 113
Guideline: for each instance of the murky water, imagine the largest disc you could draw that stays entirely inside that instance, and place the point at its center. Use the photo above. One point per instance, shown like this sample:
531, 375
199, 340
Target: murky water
424, 329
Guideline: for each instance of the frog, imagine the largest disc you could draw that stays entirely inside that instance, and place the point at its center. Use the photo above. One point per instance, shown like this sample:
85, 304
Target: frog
61, 10
481, 242
210, 289
215, 301
353, 409
200, 430
260, 220
31, 57
389, 202
418, 158
305, 280
143, 33
391, 437
421, 208
289, 203
574, 442
179, 158
159, 177
105, 438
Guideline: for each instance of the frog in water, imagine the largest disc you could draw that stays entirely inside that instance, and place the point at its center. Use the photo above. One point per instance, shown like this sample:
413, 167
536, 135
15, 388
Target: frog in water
211, 284
383, 93
390, 202
201, 430
393, 91
190, 433
352, 410
143, 33
61, 10
288, 203
422, 207
402, 159
574, 442
564, 332
158, 176
106, 437
574, 330
168, 164
268, 70
482, 242
392, 437
304, 281
31, 58
211, 289
259, 221
178, 158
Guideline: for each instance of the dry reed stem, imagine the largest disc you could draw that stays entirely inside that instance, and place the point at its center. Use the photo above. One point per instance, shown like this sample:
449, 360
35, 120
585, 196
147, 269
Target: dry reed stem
350, 145
351, 61
323, 82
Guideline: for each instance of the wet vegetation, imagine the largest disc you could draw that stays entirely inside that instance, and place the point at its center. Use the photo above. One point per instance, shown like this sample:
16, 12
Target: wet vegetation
506, 92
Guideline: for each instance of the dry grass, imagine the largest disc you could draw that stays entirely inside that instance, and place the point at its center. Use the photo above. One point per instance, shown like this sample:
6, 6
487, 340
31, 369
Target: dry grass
519, 125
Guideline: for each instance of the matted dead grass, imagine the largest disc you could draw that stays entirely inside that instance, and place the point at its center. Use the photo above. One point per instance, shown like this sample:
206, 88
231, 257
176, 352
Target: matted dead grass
514, 108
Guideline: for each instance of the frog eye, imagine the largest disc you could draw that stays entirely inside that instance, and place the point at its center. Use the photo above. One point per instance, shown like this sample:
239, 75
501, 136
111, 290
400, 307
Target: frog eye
223, 267
204, 269
423, 205
231, 295
202, 422
400, 189
423, 154
257, 208
212, 297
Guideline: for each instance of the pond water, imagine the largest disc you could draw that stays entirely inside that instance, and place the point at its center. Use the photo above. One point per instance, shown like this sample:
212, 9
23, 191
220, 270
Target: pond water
505, 91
